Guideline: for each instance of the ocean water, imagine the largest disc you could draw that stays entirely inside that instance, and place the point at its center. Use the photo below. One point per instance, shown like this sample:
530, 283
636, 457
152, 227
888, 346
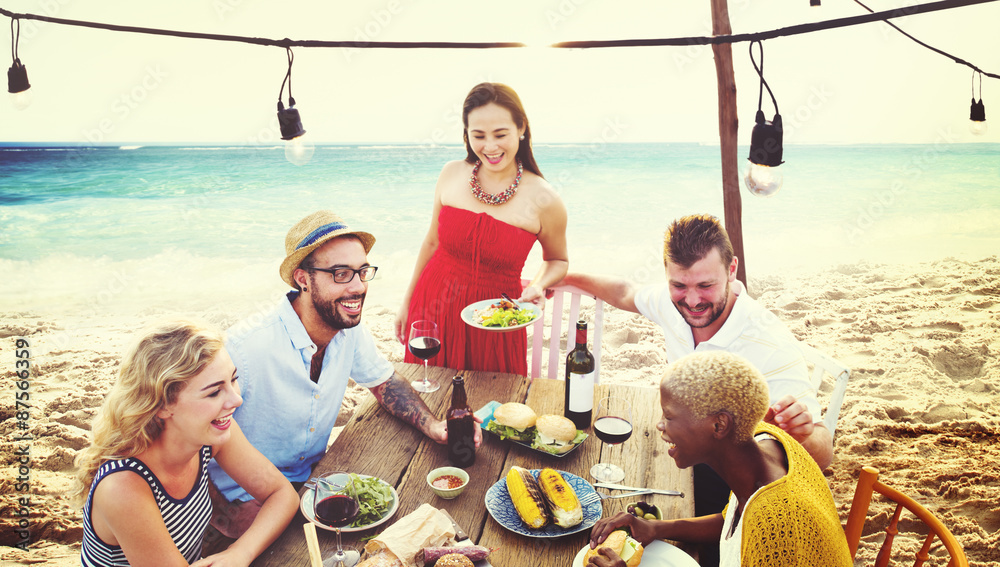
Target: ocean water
108, 229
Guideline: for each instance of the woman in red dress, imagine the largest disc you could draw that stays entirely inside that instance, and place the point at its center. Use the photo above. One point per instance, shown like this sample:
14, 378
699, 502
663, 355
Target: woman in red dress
489, 209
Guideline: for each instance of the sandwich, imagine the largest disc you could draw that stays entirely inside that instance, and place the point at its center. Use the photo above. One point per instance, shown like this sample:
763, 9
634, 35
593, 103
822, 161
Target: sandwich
628, 549
556, 434
513, 421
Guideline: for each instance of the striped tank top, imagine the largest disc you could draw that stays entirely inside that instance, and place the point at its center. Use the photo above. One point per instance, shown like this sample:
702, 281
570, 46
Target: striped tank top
185, 518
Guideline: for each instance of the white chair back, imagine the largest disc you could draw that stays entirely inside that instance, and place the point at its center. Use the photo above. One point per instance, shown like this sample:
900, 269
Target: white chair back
554, 309
822, 365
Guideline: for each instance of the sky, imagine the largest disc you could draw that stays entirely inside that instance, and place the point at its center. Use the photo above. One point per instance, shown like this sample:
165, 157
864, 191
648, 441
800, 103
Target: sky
862, 84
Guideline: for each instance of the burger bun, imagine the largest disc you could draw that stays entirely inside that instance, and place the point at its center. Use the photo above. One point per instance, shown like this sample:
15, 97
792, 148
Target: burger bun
515, 415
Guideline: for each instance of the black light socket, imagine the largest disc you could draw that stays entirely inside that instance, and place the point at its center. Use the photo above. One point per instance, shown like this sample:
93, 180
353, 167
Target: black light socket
978, 111
765, 141
17, 78
289, 120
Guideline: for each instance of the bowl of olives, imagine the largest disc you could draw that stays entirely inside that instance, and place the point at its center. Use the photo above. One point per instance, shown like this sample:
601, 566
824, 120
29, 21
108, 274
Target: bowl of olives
645, 510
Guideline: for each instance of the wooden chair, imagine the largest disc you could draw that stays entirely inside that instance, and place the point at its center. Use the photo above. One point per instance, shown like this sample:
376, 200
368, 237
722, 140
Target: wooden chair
554, 306
822, 365
868, 483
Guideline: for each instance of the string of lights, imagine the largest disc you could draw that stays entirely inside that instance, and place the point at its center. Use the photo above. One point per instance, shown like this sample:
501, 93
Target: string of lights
291, 124
587, 44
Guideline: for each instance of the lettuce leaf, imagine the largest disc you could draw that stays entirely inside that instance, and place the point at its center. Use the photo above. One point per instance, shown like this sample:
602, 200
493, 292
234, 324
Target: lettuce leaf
506, 432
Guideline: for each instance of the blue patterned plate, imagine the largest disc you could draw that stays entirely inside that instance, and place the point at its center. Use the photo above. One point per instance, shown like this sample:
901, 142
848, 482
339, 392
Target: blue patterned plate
502, 509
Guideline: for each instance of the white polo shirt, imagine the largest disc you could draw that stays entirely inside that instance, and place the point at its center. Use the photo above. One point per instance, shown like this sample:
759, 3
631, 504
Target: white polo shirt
751, 331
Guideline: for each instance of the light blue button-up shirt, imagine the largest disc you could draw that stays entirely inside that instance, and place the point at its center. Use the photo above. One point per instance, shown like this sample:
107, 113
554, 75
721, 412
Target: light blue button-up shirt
285, 415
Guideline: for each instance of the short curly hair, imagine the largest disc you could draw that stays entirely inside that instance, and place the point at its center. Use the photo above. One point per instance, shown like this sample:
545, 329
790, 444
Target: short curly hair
707, 383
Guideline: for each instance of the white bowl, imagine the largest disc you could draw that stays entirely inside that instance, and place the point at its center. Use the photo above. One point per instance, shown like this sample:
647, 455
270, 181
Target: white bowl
447, 493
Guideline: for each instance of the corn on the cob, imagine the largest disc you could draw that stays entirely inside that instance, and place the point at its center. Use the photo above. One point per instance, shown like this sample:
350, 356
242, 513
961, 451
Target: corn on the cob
527, 497
563, 503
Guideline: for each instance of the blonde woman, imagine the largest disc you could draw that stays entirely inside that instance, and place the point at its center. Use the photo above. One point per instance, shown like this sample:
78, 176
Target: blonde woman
144, 479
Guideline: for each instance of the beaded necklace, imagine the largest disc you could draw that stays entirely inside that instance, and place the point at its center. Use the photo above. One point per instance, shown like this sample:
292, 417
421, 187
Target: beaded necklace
489, 198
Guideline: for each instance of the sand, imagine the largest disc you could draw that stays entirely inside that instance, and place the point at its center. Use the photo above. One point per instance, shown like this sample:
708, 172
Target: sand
921, 405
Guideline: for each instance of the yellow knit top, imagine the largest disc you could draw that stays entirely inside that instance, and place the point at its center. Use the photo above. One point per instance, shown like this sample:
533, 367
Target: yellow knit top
793, 520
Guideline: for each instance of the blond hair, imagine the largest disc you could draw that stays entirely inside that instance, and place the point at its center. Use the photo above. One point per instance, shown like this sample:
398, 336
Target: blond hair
153, 372
707, 383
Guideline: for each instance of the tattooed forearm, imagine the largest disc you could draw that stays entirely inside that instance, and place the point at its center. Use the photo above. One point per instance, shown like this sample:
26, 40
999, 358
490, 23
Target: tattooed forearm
398, 398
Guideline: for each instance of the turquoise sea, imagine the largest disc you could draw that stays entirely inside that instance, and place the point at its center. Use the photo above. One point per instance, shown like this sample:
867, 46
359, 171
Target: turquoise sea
119, 228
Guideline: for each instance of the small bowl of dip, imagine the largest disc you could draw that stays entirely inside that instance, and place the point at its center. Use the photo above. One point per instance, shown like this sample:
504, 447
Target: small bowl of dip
447, 482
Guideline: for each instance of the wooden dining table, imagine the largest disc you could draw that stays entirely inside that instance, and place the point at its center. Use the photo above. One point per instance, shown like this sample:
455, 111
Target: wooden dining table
373, 442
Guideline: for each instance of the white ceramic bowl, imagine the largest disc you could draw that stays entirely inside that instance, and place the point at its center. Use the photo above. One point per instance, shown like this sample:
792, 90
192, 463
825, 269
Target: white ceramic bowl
447, 493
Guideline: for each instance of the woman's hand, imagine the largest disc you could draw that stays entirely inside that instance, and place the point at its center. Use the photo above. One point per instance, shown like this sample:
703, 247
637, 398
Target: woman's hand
642, 530
400, 324
606, 558
222, 559
531, 294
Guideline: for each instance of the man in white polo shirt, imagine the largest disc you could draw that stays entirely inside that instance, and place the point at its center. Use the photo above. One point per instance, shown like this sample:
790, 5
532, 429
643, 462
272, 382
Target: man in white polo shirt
703, 307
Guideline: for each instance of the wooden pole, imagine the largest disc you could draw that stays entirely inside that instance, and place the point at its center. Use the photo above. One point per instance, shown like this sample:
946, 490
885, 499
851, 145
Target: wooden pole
728, 127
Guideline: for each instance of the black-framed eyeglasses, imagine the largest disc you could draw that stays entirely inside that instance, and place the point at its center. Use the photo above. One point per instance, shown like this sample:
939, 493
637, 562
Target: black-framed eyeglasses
345, 275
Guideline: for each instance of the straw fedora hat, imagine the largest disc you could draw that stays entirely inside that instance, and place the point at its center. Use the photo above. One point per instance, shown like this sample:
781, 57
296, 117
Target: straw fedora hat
312, 232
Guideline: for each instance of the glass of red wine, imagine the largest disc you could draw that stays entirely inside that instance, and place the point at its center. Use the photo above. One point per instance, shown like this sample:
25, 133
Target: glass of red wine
613, 425
336, 505
424, 343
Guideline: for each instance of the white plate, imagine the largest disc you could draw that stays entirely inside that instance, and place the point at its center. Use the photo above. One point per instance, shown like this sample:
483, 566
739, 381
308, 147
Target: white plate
499, 505
657, 554
469, 314
306, 506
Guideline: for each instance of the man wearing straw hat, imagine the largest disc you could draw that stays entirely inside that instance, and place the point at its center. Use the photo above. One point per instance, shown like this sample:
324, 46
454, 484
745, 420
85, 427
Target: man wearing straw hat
703, 307
294, 365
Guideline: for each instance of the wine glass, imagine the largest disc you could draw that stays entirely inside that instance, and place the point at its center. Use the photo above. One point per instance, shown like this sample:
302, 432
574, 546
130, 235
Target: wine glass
612, 426
336, 505
424, 343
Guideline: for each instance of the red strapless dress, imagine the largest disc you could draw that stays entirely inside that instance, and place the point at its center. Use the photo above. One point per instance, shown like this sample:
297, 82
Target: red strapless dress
477, 257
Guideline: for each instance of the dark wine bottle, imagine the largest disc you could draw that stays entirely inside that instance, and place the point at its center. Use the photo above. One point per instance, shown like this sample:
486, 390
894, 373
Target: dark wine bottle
461, 427
580, 380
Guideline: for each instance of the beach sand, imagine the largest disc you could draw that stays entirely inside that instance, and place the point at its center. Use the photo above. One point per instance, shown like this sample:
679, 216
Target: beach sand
921, 406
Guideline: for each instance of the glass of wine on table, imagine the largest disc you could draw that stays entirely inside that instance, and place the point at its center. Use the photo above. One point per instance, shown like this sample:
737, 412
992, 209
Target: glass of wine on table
613, 425
424, 343
336, 505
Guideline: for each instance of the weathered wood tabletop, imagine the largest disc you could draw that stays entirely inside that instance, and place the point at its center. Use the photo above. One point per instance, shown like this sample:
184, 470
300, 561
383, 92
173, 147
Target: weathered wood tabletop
375, 443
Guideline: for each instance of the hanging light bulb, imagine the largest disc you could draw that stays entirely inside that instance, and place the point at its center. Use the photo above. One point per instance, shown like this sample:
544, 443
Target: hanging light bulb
297, 150
17, 76
977, 114
763, 177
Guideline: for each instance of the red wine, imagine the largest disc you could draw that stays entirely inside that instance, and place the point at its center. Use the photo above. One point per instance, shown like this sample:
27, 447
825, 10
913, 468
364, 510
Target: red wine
579, 402
337, 511
612, 430
424, 347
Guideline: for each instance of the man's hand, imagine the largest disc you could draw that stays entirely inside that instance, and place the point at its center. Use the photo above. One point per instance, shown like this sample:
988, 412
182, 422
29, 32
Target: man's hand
438, 431
791, 416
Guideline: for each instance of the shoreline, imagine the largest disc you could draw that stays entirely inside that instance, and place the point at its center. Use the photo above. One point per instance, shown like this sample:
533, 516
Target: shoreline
921, 340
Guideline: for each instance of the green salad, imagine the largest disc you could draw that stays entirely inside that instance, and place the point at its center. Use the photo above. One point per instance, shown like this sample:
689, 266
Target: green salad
375, 499
493, 317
